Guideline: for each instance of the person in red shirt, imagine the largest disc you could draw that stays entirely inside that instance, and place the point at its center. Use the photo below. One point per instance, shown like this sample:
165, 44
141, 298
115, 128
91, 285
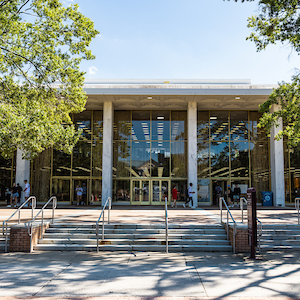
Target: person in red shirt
174, 196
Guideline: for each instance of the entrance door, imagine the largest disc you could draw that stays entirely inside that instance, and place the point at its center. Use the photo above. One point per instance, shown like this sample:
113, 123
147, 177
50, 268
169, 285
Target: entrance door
160, 190
140, 192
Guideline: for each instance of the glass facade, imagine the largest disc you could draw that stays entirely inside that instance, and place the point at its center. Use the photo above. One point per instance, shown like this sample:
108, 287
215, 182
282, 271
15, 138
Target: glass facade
7, 173
231, 150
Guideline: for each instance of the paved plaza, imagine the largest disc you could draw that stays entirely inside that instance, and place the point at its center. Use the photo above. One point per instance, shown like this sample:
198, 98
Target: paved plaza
148, 275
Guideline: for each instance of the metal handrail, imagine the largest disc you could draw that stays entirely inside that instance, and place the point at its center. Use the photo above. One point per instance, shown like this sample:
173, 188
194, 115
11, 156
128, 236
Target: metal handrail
259, 233
297, 204
167, 225
54, 204
108, 221
221, 199
242, 199
33, 206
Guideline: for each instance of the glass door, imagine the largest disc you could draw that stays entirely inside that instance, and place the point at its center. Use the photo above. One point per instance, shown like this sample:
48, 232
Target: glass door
160, 190
140, 192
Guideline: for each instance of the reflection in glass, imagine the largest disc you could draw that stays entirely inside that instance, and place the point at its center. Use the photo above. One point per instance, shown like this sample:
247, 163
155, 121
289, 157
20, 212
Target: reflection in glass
82, 159
121, 190
239, 125
260, 172
140, 161
155, 191
96, 195
181, 186
178, 125
203, 125
219, 126
203, 190
83, 121
287, 181
145, 190
239, 159
121, 159
122, 125
160, 125
98, 125
136, 191
295, 172
61, 163
219, 155
140, 125
179, 159
61, 189
203, 159
42, 175
160, 159
256, 134
97, 158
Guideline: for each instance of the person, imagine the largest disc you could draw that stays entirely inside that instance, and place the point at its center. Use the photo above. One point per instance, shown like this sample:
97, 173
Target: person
79, 193
236, 194
26, 189
174, 196
8, 195
219, 191
19, 192
229, 196
84, 193
14, 195
190, 196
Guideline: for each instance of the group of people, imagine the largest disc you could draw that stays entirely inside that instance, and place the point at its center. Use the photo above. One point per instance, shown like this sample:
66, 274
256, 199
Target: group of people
189, 196
232, 197
15, 193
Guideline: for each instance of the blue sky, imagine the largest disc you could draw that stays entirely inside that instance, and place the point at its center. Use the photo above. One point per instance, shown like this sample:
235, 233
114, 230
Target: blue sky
176, 39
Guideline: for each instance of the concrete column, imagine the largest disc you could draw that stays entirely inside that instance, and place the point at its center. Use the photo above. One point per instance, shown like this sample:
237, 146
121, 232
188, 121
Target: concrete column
192, 148
22, 171
107, 156
277, 165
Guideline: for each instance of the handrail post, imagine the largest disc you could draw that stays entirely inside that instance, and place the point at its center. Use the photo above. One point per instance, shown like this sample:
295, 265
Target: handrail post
234, 234
242, 208
166, 220
97, 234
103, 226
227, 226
297, 208
109, 208
221, 207
5, 238
41, 235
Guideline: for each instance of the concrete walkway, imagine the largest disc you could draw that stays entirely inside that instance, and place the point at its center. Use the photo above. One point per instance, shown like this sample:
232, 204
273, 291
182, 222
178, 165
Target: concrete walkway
107, 275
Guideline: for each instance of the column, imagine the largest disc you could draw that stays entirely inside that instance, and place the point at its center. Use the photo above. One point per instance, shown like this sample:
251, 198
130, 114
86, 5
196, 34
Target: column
192, 148
277, 164
107, 155
22, 171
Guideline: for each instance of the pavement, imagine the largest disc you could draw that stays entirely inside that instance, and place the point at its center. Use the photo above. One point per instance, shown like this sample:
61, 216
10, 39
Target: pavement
147, 275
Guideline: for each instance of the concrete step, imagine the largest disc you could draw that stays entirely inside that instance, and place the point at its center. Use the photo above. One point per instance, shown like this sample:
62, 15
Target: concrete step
281, 232
284, 242
281, 226
279, 248
280, 237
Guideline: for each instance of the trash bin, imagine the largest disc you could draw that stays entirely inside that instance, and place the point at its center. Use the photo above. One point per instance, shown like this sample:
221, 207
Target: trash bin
267, 198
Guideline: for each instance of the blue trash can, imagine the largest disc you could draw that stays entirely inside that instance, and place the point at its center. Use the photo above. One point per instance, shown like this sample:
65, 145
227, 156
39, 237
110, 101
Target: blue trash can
267, 198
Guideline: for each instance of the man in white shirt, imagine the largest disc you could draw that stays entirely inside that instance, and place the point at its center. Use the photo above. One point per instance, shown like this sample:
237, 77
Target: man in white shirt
26, 189
190, 196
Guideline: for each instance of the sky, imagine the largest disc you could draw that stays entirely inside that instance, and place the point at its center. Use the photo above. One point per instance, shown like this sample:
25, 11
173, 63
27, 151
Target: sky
180, 39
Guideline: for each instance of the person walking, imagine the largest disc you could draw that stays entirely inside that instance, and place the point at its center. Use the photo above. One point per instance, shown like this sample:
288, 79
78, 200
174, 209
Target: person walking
190, 193
174, 196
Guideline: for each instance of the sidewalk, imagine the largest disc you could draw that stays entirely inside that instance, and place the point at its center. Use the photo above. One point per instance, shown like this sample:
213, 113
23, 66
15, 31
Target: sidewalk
107, 275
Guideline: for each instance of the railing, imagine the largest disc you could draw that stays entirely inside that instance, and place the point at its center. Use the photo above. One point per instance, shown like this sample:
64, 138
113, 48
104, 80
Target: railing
242, 200
33, 206
259, 233
108, 201
297, 207
227, 223
54, 204
167, 225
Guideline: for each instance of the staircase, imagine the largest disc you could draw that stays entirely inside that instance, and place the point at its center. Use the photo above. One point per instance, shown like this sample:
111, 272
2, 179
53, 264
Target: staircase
280, 237
134, 237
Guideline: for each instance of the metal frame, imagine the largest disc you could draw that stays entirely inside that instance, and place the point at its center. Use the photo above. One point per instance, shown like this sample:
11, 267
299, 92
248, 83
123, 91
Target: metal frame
167, 225
108, 201
297, 206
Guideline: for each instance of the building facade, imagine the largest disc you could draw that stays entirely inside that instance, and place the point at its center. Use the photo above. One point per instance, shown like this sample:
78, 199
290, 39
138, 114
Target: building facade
141, 138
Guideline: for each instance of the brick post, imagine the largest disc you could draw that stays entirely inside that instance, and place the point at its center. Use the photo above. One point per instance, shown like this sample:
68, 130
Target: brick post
241, 238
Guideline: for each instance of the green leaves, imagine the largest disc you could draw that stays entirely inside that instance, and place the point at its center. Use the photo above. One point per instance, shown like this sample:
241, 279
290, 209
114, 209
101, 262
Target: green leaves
41, 46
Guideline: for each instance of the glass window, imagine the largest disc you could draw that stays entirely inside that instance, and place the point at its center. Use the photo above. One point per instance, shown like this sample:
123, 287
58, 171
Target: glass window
83, 121
160, 159
179, 159
287, 172
203, 125
122, 125
121, 159
121, 190
203, 190
140, 125
82, 159
5, 175
239, 152
181, 186
97, 158
219, 155
61, 189
96, 195
140, 161
98, 125
178, 125
160, 125
61, 163
256, 134
203, 159
239, 125
295, 172
219, 126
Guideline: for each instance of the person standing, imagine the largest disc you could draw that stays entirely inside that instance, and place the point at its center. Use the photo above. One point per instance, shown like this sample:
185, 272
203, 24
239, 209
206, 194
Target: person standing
190, 196
84, 194
236, 194
229, 196
174, 196
19, 192
219, 191
26, 190
79, 193
14, 195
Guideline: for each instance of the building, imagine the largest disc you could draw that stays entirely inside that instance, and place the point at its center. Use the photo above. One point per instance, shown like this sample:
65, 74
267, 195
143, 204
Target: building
140, 138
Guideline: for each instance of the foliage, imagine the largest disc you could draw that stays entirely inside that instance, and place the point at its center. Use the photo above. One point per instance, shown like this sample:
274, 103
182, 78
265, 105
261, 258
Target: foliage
41, 46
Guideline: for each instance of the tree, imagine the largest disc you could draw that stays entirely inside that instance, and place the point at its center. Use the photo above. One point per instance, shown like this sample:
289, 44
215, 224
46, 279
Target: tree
279, 21
41, 46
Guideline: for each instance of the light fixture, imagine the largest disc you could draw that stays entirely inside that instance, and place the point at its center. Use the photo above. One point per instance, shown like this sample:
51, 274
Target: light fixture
149, 97
213, 118
237, 98
160, 118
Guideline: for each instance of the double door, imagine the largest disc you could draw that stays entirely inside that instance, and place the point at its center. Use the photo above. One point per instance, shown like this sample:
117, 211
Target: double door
149, 192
